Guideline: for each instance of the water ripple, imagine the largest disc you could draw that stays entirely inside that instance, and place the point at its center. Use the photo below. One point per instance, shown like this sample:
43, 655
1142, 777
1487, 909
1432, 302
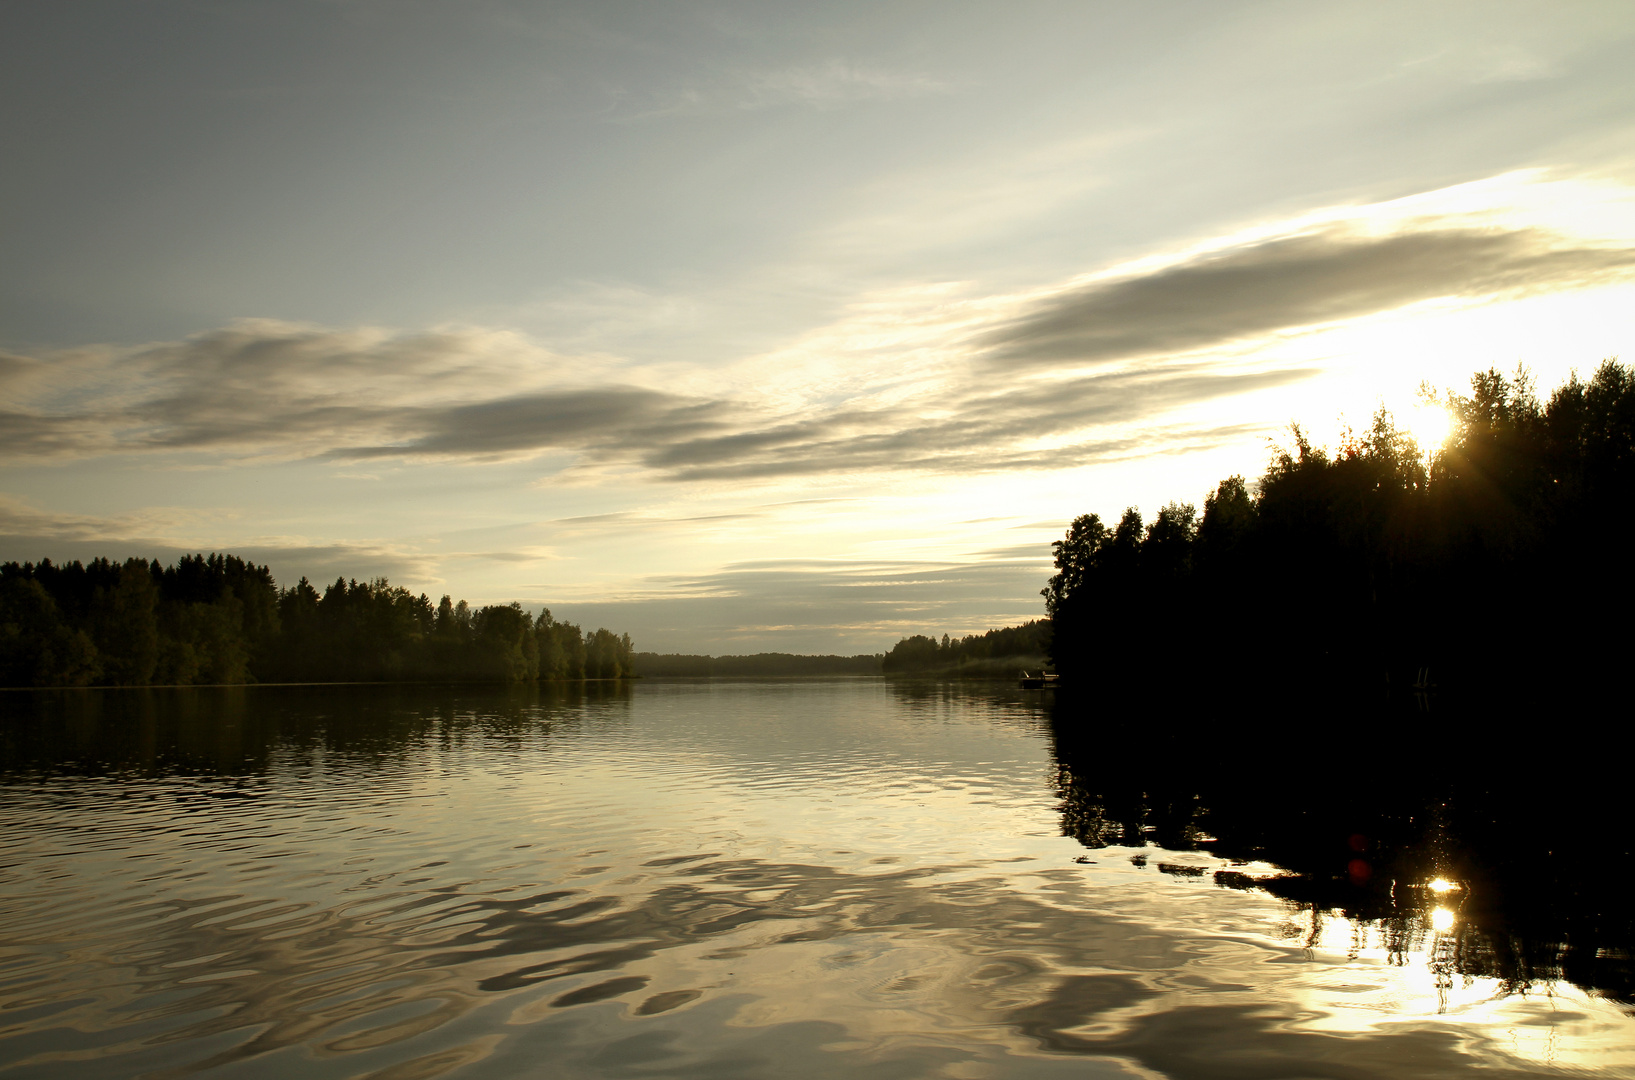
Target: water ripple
744, 880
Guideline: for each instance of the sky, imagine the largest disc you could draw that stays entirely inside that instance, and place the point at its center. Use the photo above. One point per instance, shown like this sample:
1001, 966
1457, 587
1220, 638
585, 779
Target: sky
773, 326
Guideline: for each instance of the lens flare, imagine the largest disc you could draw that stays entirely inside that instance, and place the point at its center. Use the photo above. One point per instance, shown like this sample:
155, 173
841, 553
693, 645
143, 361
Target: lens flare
1441, 919
1442, 885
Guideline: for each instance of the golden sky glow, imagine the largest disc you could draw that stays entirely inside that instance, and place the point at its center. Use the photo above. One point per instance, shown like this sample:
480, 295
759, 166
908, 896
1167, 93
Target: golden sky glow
806, 334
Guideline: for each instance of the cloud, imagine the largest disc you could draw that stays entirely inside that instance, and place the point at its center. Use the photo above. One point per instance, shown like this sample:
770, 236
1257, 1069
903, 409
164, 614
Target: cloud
269, 390
1489, 62
603, 417
30, 435
271, 384
834, 82
979, 431
20, 519
827, 84
1287, 282
924, 379
15, 373
29, 534
626, 523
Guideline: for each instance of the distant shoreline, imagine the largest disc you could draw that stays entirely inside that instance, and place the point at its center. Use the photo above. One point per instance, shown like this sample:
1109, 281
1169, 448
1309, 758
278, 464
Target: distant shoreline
344, 682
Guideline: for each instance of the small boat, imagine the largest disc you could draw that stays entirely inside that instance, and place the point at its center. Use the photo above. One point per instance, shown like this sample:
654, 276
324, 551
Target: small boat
1041, 681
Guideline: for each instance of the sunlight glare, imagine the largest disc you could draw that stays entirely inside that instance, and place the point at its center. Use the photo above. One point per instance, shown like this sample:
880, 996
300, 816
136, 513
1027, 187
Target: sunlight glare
1430, 426
1442, 885
1441, 920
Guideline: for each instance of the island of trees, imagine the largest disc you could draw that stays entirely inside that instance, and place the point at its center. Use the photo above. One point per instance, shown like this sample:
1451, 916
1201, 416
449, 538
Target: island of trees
221, 619
1498, 559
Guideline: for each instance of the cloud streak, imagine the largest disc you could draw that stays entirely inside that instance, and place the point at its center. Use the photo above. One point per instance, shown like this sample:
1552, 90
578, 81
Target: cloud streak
1103, 367
597, 419
977, 431
1289, 282
826, 84
272, 391
28, 533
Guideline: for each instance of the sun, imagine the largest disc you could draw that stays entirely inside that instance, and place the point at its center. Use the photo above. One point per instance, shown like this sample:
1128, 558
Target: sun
1430, 426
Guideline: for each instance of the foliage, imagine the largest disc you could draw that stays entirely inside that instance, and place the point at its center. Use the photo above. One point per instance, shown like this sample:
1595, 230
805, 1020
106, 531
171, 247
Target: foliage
220, 619
997, 652
1380, 559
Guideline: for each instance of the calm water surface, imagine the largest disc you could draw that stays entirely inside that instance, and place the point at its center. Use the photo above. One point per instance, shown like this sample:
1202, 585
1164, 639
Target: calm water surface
797, 879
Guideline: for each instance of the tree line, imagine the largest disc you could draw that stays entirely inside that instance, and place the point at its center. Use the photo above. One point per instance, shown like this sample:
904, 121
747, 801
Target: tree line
1002, 652
1497, 559
221, 619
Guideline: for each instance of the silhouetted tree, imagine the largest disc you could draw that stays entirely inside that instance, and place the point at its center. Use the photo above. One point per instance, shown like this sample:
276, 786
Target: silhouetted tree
220, 619
1495, 553
124, 625
506, 648
37, 647
996, 653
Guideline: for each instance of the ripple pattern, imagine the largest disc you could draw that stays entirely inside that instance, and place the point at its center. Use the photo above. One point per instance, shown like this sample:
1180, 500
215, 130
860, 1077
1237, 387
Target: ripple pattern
712, 880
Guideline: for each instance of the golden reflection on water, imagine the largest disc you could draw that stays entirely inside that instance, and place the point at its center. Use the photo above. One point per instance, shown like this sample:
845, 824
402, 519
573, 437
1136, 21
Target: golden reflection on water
1367, 977
687, 880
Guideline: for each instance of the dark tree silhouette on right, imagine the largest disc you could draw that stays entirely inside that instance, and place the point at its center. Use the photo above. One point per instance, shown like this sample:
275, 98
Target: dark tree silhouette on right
1492, 562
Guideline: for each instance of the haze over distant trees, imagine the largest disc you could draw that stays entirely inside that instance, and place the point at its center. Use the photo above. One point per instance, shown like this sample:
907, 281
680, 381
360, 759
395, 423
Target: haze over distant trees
1498, 558
769, 665
995, 654
220, 619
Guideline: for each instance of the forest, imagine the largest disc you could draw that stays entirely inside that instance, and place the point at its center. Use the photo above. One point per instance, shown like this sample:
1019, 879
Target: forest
1497, 561
220, 619
1002, 653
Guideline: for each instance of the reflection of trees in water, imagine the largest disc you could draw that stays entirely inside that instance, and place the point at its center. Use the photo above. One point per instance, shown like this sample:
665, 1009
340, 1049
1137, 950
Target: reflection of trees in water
999, 703
1364, 812
238, 731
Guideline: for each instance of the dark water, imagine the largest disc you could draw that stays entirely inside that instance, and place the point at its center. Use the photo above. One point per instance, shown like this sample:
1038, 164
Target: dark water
801, 879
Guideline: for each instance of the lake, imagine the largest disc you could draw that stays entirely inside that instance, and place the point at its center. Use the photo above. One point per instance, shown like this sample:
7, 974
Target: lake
822, 878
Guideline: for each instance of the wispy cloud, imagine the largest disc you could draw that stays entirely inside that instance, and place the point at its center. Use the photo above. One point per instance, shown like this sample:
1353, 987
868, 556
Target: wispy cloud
599, 420
1295, 281
264, 388
978, 431
834, 82
274, 391
825, 84
1489, 62
1110, 365
28, 533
